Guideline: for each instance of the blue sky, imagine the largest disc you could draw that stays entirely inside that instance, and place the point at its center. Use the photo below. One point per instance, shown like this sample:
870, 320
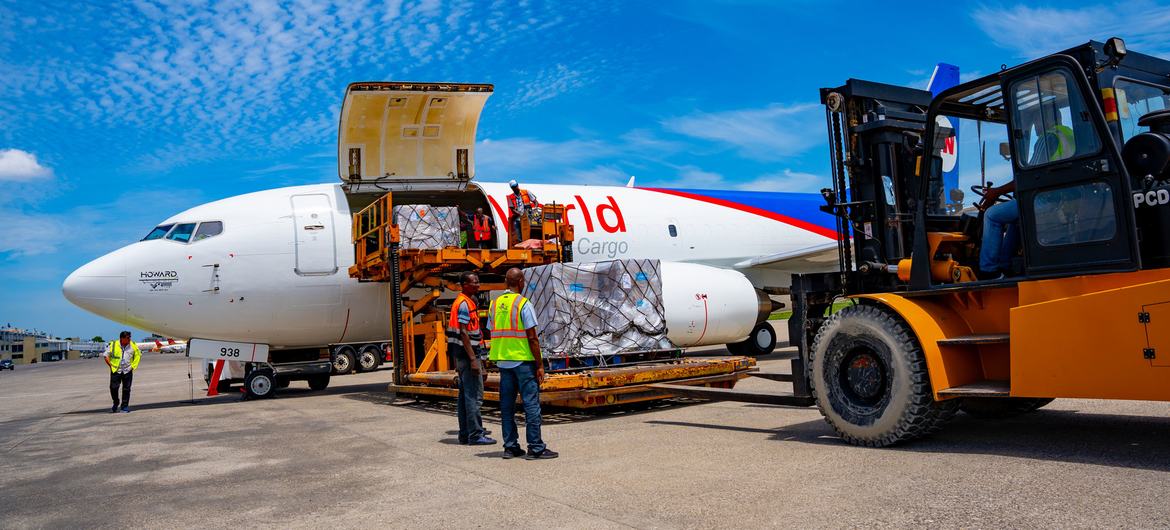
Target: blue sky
113, 117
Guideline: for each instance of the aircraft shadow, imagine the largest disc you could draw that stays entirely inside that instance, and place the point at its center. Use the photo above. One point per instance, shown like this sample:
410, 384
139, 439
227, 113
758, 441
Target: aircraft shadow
1052, 435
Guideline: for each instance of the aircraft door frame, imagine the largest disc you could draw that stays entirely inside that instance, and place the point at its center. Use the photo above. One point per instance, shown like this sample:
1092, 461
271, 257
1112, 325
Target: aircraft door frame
314, 235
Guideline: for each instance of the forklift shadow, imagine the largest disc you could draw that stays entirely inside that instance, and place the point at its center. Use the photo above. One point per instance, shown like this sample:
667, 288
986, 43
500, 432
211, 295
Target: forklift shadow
1066, 436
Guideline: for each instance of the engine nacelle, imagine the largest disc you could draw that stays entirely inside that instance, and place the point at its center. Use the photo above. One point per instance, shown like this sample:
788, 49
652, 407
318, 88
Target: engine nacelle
707, 305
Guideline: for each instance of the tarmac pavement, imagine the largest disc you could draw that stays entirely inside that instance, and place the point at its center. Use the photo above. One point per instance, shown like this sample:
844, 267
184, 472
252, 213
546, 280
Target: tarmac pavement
346, 457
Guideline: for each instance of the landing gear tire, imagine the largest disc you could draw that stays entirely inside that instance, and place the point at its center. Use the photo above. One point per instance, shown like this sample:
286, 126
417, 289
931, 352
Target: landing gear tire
1001, 408
260, 384
367, 359
319, 382
343, 360
761, 341
282, 383
870, 381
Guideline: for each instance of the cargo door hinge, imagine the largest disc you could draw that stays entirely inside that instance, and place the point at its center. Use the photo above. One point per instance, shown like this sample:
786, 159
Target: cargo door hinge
1148, 353
1143, 318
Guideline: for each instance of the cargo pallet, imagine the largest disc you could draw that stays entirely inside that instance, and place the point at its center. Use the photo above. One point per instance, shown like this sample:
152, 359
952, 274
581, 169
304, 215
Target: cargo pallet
421, 364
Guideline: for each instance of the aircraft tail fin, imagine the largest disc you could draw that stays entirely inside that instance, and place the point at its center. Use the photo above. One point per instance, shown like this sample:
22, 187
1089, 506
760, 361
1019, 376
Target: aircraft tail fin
630, 184
945, 76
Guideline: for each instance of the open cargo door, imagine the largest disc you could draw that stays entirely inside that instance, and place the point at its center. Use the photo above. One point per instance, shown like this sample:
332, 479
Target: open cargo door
409, 136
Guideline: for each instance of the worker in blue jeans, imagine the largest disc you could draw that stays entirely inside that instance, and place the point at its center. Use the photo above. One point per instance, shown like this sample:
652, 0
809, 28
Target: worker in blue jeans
1001, 233
463, 343
516, 351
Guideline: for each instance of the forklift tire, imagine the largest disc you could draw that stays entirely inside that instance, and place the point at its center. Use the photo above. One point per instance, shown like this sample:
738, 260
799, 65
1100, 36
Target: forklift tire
869, 379
1001, 408
367, 360
343, 360
319, 382
260, 384
761, 341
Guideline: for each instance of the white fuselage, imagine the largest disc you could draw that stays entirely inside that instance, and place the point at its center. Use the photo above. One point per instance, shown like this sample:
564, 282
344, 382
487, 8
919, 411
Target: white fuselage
277, 273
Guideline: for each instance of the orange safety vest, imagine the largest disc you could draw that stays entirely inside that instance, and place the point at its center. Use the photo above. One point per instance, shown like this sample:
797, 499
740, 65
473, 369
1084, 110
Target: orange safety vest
473, 332
512, 202
480, 231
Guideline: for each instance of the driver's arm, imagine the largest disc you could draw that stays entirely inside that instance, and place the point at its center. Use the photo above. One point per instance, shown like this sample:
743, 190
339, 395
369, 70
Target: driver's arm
992, 194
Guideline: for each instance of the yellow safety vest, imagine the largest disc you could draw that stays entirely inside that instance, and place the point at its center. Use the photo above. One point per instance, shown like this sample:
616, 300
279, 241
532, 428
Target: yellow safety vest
116, 356
509, 340
1066, 142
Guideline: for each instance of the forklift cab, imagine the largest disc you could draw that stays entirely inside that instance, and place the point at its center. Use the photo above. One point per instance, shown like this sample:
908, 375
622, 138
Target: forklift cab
1059, 123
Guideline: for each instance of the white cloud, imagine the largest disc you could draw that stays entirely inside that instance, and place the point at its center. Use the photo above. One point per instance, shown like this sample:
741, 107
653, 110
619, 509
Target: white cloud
1034, 31
548, 84
519, 157
786, 180
17, 165
770, 133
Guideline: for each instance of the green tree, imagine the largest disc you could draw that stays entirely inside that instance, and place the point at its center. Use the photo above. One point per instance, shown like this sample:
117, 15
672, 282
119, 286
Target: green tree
98, 338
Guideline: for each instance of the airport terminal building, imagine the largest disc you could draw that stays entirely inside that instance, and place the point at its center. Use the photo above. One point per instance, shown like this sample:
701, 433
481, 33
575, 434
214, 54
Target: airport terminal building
26, 347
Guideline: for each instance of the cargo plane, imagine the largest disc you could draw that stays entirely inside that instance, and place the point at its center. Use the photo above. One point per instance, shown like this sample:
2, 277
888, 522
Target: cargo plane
271, 266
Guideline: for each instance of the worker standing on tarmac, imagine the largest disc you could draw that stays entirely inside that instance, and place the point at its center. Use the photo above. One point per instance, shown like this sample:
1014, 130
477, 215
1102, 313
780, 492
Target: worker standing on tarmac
520, 202
516, 351
122, 357
463, 341
481, 229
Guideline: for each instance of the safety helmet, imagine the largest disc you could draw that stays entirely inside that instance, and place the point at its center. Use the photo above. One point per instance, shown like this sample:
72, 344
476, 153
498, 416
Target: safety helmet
513, 184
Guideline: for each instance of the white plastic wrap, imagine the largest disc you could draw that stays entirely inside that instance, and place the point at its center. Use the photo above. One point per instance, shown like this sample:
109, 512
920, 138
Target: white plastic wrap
424, 226
598, 309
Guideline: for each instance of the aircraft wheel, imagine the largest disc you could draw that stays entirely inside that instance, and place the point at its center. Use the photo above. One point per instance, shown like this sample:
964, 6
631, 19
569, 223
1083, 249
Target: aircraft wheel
368, 358
1001, 408
319, 382
761, 341
870, 381
260, 383
343, 360
282, 382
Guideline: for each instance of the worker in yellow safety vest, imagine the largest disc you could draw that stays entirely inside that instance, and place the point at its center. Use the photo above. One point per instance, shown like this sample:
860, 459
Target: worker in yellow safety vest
516, 351
122, 357
463, 343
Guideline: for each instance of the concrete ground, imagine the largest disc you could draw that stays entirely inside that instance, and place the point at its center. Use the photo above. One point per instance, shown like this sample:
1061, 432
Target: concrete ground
347, 458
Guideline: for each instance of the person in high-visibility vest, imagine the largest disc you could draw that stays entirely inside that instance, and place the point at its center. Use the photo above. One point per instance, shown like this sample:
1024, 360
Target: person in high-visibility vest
463, 343
122, 357
516, 351
520, 202
1001, 221
481, 229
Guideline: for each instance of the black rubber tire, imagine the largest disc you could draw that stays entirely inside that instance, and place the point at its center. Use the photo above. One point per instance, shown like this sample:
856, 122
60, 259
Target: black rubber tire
1001, 408
367, 359
761, 341
319, 382
260, 384
282, 383
869, 379
344, 360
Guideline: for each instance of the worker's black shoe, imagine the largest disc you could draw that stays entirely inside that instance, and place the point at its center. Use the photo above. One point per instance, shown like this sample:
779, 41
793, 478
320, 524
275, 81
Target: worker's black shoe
512, 452
989, 275
114, 409
545, 454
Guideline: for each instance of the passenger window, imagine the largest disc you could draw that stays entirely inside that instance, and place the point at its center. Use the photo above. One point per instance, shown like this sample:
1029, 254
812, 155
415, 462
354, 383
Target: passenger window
1050, 121
158, 232
208, 229
1075, 214
673, 231
182, 233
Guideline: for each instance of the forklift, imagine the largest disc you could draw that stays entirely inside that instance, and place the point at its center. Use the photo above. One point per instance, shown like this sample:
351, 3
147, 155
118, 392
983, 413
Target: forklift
1079, 302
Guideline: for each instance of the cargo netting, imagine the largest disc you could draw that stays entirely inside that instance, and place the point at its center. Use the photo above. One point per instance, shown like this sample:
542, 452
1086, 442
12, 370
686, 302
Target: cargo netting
598, 310
423, 226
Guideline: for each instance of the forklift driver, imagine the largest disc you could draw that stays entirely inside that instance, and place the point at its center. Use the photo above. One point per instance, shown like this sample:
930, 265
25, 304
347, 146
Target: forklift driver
1001, 222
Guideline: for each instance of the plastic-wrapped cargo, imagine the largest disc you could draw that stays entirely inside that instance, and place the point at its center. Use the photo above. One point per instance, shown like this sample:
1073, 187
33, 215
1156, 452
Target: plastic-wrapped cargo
598, 309
424, 226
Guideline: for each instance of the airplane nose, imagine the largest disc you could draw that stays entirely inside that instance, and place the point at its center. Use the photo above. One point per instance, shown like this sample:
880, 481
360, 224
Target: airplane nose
99, 287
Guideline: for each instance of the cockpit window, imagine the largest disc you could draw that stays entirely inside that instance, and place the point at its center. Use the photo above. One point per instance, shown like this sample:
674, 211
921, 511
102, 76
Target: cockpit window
182, 233
208, 229
158, 232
